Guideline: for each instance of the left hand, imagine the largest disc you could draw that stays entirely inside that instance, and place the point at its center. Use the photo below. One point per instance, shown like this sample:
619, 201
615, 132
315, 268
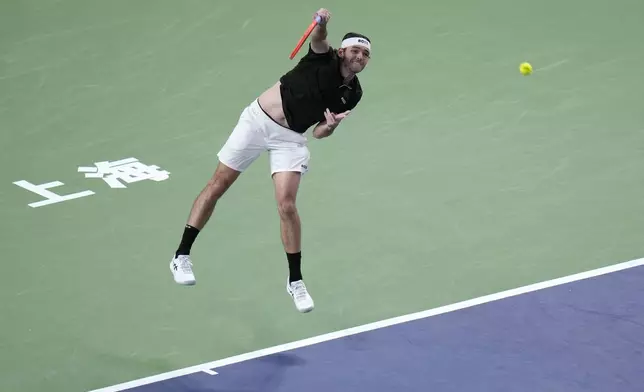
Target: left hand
333, 120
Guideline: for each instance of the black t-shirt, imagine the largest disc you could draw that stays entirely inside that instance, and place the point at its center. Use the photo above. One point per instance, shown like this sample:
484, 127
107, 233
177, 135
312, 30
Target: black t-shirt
314, 85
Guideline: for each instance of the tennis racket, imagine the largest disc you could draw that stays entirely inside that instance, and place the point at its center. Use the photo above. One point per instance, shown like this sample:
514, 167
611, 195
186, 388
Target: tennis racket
305, 36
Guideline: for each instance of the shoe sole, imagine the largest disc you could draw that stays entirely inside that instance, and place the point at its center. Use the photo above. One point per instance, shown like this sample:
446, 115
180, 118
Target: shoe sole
307, 310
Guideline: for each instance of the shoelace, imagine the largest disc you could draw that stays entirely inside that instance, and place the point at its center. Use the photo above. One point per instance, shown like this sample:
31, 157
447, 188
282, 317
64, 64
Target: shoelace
299, 290
185, 264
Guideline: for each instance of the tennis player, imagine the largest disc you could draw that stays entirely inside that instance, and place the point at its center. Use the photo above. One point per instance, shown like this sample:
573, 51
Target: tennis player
319, 91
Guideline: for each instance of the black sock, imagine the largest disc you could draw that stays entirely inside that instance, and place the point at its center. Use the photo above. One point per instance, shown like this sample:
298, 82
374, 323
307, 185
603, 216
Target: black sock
189, 236
294, 265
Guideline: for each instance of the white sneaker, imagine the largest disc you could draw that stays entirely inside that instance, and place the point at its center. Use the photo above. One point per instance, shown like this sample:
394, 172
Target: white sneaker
301, 297
181, 268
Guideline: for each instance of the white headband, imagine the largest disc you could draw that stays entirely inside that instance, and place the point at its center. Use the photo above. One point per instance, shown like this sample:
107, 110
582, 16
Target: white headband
356, 41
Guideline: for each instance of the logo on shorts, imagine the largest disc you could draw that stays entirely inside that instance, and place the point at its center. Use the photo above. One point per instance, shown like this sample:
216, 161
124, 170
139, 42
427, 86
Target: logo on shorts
305, 167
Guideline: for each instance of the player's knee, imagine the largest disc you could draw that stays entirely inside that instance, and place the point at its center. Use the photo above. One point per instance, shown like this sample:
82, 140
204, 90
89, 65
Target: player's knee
286, 208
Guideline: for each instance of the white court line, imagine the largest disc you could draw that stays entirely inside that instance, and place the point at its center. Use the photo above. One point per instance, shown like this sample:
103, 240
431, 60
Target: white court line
208, 367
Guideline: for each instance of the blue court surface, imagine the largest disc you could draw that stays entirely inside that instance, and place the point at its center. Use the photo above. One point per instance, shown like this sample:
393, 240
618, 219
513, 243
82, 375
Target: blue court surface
583, 332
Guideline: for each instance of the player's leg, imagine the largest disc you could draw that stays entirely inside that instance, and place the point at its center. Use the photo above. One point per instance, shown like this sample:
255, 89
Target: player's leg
289, 160
286, 187
204, 204
243, 147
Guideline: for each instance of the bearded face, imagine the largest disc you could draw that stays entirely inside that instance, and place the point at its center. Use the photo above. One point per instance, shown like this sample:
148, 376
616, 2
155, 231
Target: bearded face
354, 58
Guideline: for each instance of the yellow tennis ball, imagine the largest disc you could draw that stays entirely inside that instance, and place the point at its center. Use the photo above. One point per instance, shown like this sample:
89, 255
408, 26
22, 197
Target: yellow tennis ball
525, 68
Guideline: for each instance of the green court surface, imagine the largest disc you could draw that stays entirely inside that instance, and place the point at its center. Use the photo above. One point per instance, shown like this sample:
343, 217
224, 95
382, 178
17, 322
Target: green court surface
455, 177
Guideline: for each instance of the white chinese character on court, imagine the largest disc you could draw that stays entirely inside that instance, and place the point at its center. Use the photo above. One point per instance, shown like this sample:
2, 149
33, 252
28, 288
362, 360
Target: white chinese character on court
128, 170
50, 197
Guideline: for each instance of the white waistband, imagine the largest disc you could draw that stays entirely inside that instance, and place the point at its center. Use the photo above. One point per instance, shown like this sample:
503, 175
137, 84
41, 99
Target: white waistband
275, 129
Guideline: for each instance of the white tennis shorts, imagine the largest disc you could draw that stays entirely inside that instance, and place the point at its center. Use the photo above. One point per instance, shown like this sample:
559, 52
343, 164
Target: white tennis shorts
255, 133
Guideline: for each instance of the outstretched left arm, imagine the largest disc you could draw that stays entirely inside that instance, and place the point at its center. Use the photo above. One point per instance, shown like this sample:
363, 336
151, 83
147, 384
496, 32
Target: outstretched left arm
325, 128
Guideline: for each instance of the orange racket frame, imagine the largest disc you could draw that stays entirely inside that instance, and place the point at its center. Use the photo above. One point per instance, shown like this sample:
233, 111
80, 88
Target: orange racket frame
305, 36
